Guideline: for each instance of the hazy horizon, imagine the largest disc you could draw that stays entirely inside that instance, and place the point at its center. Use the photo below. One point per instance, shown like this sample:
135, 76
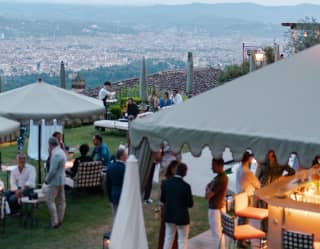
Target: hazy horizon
165, 2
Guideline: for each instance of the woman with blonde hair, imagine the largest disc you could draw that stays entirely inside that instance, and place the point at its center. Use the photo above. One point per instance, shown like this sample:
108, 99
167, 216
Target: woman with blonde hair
153, 101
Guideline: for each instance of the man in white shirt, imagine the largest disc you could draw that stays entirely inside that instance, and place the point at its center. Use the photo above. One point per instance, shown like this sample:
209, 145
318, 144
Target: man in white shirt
22, 182
176, 97
104, 93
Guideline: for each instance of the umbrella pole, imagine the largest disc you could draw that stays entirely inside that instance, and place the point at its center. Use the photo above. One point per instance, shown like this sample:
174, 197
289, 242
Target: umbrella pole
39, 153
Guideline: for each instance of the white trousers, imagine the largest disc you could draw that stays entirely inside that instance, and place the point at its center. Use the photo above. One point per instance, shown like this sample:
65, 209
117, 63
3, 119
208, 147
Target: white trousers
183, 235
214, 217
55, 195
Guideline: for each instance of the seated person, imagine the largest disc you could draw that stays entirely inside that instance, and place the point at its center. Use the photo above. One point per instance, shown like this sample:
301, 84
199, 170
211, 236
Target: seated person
84, 149
22, 182
132, 108
165, 101
100, 151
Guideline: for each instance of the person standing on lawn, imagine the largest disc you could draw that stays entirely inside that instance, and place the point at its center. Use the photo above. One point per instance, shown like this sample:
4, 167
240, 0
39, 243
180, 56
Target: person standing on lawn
176, 197
55, 180
104, 93
216, 191
115, 178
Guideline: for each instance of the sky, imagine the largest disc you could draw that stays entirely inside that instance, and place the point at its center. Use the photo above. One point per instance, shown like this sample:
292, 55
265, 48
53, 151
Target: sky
151, 2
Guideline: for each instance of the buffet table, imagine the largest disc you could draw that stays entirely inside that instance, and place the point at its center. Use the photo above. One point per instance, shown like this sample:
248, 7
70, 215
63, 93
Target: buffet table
291, 206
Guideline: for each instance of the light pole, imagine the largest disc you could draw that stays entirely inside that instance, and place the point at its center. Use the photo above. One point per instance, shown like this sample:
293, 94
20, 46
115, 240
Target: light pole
120, 84
246, 50
255, 56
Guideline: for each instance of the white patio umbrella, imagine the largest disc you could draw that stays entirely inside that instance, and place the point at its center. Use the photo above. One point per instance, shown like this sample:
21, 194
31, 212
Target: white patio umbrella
41, 100
9, 130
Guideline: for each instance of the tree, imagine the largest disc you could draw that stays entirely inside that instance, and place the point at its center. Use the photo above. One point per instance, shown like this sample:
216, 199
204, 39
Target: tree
304, 35
269, 53
233, 71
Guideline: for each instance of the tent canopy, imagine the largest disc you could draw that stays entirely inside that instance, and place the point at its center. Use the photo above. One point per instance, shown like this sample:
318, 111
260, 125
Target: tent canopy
276, 107
41, 100
9, 129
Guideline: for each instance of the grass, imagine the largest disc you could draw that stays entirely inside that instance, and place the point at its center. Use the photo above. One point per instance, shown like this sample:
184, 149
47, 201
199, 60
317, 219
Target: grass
87, 216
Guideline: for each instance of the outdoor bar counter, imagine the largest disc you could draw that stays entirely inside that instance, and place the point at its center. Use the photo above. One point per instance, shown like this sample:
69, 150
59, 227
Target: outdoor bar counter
293, 203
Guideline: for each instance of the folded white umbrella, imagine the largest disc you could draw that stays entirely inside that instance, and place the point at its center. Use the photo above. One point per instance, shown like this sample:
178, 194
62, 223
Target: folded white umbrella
129, 230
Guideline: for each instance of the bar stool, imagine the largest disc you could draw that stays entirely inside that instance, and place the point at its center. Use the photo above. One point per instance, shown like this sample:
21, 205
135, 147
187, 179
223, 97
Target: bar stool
241, 208
240, 232
297, 240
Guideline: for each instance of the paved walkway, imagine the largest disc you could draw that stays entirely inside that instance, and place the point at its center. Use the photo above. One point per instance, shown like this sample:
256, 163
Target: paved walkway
201, 241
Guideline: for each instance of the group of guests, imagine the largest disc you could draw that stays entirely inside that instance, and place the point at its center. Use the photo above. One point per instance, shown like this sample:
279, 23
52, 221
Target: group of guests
22, 178
176, 199
156, 103
176, 194
22, 183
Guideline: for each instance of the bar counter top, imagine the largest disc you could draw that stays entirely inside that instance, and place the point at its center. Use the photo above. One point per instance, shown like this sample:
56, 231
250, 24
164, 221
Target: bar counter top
278, 194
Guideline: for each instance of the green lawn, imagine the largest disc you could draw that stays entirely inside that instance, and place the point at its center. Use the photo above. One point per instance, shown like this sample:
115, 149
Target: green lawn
88, 216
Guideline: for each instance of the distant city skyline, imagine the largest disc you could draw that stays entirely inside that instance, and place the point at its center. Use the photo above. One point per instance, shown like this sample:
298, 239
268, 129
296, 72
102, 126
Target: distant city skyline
170, 2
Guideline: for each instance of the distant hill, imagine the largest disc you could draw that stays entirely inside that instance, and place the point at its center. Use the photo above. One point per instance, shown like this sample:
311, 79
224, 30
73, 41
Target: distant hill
214, 18
161, 14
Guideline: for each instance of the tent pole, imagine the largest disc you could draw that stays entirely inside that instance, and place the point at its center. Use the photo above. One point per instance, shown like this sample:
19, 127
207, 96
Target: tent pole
39, 153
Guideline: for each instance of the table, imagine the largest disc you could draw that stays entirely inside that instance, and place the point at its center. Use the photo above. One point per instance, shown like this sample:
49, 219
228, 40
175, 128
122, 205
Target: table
111, 124
28, 209
69, 164
111, 101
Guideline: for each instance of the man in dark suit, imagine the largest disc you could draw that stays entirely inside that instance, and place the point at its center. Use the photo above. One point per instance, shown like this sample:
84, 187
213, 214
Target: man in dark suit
176, 197
115, 177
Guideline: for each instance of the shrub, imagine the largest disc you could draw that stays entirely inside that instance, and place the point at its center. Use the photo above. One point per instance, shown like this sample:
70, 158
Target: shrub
115, 111
233, 71
269, 54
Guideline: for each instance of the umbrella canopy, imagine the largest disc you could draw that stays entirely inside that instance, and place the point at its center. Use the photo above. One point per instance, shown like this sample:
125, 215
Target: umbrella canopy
9, 129
276, 107
44, 101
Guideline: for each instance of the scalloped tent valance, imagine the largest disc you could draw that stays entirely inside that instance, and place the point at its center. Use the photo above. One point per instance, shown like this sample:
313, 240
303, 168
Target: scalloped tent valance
276, 107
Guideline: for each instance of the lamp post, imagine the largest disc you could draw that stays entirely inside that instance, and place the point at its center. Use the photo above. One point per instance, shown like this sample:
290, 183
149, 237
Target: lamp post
246, 49
276, 51
252, 64
259, 56
255, 56
120, 84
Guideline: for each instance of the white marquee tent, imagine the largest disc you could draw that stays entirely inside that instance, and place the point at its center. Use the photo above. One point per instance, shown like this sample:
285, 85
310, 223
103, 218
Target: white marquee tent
275, 107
